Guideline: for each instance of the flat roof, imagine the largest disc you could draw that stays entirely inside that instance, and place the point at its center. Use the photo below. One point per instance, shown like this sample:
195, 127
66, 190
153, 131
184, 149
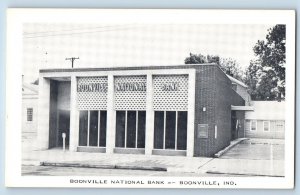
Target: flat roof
151, 67
243, 108
268, 110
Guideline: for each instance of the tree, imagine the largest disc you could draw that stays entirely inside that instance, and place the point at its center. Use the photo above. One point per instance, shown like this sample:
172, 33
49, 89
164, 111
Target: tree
272, 55
228, 65
266, 89
232, 68
196, 59
261, 83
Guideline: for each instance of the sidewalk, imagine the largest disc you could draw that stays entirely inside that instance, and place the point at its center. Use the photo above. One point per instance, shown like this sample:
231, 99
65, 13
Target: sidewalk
244, 158
57, 157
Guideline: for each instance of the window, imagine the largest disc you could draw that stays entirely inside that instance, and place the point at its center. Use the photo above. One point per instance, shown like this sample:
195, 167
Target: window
130, 129
253, 126
92, 128
170, 130
234, 86
29, 114
266, 125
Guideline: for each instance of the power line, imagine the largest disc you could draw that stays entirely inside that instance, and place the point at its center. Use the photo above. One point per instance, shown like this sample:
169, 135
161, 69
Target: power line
76, 33
63, 30
53, 35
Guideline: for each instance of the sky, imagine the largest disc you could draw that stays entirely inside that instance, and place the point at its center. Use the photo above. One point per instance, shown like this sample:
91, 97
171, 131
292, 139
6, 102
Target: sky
48, 45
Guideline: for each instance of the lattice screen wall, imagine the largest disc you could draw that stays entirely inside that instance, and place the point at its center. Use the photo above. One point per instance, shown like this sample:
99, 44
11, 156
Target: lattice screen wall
170, 100
92, 100
130, 100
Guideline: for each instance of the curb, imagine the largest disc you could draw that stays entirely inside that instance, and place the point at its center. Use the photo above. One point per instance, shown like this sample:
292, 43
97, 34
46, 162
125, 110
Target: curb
220, 153
30, 163
101, 166
248, 174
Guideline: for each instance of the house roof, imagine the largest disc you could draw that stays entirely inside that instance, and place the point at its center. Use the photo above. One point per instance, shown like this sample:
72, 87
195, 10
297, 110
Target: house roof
29, 89
267, 110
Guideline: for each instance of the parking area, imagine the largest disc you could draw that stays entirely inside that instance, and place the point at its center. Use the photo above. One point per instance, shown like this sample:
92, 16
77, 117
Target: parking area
253, 157
257, 149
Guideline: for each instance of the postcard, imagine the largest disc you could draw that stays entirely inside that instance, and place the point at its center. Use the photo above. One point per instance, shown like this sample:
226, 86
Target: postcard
150, 98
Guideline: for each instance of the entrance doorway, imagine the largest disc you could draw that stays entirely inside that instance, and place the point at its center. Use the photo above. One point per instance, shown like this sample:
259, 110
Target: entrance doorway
59, 116
234, 125
63, 127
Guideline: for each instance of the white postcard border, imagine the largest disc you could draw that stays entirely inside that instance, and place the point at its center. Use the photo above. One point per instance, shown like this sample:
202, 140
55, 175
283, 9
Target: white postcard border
17, 17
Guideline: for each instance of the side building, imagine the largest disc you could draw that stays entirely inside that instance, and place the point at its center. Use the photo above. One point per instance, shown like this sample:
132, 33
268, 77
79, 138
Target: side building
266, 121
29, 110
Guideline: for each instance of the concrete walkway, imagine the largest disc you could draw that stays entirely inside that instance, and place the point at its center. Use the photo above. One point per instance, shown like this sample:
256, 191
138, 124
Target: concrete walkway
57, 157
248, 157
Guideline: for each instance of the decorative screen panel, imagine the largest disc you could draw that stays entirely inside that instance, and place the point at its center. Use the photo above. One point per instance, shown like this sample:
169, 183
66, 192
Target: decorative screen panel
170, 92
130, 92
92, 93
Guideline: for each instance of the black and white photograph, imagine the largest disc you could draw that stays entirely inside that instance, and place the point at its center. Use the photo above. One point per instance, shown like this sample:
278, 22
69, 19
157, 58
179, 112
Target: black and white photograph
150, 98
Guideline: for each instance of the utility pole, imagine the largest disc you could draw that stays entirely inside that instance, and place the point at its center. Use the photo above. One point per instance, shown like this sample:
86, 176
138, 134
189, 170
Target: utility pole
72, 60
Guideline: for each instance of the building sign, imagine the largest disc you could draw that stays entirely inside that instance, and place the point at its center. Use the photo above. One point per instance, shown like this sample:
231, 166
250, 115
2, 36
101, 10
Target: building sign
130, 92
170, 92
202, 131
92, 87
92, 93
170, 86
127, 86
130, 86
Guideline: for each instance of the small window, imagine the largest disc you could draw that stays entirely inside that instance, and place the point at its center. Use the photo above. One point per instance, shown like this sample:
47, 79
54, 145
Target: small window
266, 125
253, 126
29, 114
234, 86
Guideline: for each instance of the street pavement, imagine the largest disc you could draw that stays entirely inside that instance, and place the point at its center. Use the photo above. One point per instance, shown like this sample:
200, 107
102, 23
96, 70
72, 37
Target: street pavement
254, 157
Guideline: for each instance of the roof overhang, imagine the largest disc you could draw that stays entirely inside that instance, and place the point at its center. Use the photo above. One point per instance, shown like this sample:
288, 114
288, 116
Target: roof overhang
242, 108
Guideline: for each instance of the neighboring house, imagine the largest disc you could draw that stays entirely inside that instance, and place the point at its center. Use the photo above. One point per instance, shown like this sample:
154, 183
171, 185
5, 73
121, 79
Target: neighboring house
266, 121
242, 89
29, 110
263, 119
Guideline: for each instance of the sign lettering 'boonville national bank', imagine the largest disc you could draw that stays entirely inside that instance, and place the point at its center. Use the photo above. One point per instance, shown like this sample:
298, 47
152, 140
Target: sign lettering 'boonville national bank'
125, 86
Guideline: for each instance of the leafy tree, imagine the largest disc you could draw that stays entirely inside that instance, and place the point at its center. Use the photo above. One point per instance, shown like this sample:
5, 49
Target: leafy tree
232, 68
196, 59
266, 89
272, 55
253, 73
262, 83
228, 65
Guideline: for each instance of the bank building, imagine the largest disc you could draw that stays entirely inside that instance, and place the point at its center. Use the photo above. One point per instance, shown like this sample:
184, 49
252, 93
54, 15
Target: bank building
182, 110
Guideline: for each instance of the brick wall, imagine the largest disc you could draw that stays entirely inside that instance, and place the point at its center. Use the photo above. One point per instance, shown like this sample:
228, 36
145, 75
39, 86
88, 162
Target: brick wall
215, 93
